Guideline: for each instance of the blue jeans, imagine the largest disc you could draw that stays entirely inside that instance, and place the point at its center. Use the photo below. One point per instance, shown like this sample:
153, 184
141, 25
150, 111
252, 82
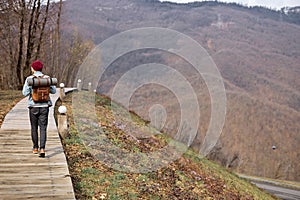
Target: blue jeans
39, 118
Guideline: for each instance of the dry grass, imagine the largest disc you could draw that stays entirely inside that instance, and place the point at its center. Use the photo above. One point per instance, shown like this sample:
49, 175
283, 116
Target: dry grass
8, 98
189, 177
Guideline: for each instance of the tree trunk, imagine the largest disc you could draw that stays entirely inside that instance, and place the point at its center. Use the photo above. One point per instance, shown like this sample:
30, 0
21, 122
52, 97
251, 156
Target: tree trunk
31, 33
42, 31
21, 44
58, 56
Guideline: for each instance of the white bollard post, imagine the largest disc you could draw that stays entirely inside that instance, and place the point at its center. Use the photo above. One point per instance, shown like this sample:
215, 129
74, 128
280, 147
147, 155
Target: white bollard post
79, 85
62, 91
90, 87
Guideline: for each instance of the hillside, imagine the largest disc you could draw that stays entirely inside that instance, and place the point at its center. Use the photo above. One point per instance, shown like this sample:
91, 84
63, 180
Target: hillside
94, 167
258, 54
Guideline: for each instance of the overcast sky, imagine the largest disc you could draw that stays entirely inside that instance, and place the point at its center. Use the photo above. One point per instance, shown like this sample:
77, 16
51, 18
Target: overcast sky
274, 4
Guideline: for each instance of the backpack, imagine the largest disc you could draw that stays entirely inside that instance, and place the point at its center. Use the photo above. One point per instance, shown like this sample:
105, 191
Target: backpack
40, 90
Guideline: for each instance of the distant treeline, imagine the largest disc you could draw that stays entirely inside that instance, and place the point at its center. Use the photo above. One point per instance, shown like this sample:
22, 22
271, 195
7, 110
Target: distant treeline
291, 15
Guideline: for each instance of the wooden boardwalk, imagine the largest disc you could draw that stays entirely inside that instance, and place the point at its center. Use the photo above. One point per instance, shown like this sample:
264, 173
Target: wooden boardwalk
23, 175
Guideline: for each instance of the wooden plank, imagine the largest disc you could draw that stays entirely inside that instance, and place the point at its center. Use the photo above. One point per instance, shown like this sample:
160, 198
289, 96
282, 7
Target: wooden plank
37, 196
23, 175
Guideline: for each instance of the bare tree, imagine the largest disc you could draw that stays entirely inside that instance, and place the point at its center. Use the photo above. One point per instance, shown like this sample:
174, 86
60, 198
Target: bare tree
73, 53
22, 34
30, 30
22, 17
57, 39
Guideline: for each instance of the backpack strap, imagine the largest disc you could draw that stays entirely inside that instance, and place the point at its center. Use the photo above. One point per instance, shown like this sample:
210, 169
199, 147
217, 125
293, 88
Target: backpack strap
48, 80
33, 79
39, 81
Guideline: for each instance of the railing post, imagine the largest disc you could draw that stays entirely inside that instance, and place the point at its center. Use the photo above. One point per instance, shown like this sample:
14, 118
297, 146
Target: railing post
62, 122
62, 91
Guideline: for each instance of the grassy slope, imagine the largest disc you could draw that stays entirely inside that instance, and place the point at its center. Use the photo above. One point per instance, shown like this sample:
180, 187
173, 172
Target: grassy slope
255, 53
187, 178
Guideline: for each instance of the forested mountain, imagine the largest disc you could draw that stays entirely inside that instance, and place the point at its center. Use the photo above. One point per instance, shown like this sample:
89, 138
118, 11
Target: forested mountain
257, 51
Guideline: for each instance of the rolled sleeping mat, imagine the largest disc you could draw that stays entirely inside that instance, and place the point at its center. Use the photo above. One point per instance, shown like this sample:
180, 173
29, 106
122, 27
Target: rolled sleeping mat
41, 82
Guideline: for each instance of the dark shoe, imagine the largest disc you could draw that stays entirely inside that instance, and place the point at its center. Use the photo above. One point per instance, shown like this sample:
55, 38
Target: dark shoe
42, 153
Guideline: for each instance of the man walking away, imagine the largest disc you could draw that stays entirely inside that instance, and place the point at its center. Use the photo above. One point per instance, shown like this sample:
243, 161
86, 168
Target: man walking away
38, 111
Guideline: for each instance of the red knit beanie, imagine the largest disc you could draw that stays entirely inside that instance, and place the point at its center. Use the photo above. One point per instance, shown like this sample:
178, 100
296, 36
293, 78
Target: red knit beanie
37, 65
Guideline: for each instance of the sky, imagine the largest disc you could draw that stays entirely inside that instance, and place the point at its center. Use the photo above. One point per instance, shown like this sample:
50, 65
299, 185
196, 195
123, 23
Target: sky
274, 4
